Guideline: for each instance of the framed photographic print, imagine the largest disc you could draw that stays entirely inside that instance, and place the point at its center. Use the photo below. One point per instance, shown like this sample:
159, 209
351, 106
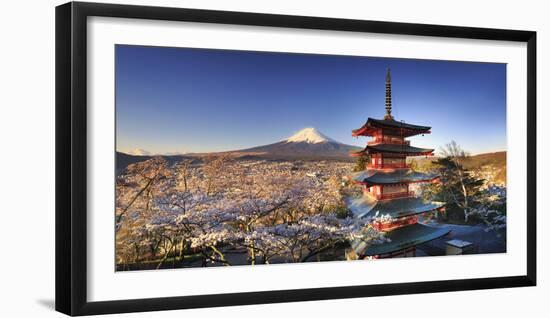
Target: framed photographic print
209, 158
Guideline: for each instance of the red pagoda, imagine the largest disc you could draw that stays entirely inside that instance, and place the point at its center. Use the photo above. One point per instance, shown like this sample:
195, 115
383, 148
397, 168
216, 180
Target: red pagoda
388, 198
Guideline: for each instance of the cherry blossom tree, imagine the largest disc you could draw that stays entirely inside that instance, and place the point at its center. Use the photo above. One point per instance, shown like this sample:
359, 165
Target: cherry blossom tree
217, 205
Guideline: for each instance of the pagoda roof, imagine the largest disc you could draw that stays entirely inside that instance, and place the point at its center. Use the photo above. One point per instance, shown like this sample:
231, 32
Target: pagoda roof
366, 207
394, 148
401, 238
373, 176
405, 129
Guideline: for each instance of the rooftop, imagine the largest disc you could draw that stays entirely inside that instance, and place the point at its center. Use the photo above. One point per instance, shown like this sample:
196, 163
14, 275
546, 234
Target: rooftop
371, 177
365, 206
394, 148
405, 129
401, 238
458, 243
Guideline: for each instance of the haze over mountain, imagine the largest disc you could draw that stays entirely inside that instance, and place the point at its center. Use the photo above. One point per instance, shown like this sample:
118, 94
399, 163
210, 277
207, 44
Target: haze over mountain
307, 144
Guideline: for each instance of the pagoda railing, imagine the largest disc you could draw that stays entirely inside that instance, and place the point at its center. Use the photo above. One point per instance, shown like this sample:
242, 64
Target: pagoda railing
384, 196
395, 223
387, 166
393, 142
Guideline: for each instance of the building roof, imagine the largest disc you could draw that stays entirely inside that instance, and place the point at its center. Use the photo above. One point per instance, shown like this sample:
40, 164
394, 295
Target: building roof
365, 206
401, 238
458, 243
394, 148
404, 129
372, 177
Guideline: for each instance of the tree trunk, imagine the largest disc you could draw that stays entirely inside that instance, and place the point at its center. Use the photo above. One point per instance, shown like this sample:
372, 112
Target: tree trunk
166, 252
181, 255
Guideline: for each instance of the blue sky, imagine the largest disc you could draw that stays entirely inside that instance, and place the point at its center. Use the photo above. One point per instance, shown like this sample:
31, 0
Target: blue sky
174, 100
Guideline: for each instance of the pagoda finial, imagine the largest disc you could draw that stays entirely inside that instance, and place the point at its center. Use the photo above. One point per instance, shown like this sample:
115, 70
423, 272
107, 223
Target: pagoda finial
388, 95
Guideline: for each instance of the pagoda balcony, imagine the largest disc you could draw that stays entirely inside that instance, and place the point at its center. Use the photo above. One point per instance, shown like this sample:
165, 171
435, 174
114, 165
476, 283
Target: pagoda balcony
387, 166
390, 225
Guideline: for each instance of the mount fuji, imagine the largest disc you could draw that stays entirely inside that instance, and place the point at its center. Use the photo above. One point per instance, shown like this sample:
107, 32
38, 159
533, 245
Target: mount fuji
308, 143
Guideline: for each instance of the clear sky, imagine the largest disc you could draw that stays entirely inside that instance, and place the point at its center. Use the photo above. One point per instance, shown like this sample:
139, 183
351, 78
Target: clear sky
176, 100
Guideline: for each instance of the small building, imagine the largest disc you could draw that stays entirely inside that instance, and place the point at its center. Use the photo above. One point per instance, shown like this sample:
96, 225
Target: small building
458, 247
386, 186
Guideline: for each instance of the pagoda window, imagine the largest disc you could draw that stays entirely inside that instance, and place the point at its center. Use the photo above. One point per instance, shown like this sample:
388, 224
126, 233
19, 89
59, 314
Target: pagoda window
392, 191
388, 139
376, 160
374, 191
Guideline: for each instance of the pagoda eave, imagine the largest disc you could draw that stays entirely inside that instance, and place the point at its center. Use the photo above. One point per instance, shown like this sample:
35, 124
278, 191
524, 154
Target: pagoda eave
394, 149
400, 239
357, 154
370, 184
368, 207
392, 176
373, 126
364, 131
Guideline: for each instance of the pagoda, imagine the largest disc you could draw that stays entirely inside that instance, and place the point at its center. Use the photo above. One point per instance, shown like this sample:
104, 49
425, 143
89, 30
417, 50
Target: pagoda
388, 200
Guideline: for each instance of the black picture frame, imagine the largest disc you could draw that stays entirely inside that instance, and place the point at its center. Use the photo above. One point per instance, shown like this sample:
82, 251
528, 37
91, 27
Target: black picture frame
71, 157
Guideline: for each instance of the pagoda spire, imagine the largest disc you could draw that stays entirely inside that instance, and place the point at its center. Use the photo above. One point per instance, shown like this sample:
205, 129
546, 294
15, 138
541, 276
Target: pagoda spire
388, 96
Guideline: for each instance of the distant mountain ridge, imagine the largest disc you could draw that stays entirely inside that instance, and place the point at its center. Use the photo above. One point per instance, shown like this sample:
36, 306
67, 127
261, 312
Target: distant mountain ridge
497, 159
306, 144
490, 158
123, 160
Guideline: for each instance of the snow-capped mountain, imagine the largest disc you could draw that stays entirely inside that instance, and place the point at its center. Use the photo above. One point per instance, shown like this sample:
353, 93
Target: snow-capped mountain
309, 135
308, 143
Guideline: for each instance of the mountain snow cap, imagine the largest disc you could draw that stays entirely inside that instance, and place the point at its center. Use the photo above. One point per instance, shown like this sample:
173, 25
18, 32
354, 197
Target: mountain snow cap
139, 152
309, 135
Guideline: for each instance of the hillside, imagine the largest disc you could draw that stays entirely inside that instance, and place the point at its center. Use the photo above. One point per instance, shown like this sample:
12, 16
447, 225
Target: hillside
490, 166
497, 159
123, 160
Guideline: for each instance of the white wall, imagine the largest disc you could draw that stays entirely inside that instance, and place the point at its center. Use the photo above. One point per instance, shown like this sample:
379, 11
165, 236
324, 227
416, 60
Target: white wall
27, 156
